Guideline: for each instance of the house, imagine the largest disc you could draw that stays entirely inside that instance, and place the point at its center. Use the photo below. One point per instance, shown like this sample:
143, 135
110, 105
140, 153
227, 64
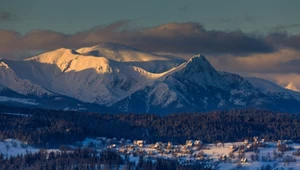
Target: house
112, 146
167, 151
249, 146
244, 160
159, 145
170, 145
255, 139
123, 150
139, 143
189, 143
223, 157
186, 151
198, 142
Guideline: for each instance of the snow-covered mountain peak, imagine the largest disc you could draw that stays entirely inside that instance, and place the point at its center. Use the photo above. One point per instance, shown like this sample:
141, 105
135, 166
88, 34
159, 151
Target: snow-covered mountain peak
198, 70
69, 60
131, 80
198, 55
52, 56
120, 53
292, 87
2, 64
9, 79
199, 63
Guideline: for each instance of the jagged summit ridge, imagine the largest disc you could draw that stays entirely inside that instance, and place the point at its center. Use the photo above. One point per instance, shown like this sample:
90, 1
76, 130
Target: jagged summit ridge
199, 70
199, 62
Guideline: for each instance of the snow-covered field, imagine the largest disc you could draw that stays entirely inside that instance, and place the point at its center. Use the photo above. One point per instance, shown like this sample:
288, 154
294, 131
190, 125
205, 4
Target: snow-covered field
17, 114
11, 147
18, 100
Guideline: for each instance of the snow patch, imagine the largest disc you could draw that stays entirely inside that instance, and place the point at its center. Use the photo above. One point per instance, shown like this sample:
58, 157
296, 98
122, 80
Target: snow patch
18, 100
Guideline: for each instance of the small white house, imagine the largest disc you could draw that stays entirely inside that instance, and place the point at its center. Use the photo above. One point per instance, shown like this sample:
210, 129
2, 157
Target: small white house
170, 145
112, 146
189, 143
159, 145
244, 160
198, 142
139, 142
224, 157
249, 146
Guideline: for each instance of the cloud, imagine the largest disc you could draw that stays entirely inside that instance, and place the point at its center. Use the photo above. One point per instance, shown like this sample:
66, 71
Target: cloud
186, 37
281, 67
284, 40
281, 79
7, 16
194, 38
291, 66
189, 38
285, 27
282, 61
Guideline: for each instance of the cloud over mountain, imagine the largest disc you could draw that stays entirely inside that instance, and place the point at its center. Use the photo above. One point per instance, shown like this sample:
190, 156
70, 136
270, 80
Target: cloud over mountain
189, 37
271, 56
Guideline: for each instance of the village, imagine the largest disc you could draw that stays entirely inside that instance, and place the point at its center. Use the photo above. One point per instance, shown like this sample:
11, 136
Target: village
250, 154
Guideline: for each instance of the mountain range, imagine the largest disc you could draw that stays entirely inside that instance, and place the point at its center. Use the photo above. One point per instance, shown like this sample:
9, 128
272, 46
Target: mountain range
113, 77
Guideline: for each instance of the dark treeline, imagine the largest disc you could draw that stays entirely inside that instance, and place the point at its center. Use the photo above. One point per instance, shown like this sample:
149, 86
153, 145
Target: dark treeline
74, 159
89, 159
49, 128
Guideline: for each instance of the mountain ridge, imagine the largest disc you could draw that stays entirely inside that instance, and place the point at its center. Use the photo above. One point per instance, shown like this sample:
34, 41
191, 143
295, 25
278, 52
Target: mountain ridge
129, 86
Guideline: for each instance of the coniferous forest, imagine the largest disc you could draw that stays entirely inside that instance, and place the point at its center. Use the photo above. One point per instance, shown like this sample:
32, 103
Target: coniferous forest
52, 128
89, 159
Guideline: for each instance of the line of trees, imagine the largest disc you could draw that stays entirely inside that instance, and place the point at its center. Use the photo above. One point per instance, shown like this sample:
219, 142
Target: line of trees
50, 128
89, 159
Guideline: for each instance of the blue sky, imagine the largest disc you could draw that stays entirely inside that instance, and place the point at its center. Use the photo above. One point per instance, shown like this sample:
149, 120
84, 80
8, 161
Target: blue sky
70, 16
